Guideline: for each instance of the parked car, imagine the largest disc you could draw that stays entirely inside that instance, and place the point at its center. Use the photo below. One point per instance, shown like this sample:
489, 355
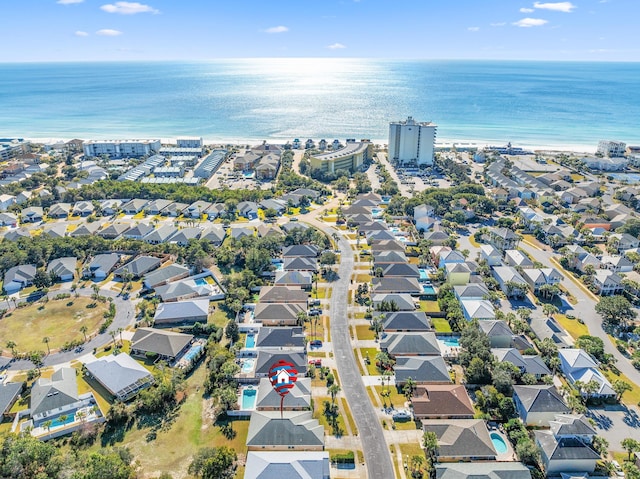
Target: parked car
401, 415
315, 343
317, 362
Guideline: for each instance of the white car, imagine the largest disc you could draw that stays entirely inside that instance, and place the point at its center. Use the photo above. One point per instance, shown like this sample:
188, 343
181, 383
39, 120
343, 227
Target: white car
401, 415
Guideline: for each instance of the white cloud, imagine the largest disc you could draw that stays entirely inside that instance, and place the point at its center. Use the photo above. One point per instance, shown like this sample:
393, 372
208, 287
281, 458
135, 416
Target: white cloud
128, 8
530, 22
473, 29
566, 7
336, 46
108, 32
526, 10
80, 33
278, 29
498, 24
69, 2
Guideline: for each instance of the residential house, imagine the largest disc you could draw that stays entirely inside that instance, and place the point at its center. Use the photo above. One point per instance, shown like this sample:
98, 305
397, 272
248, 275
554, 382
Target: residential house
450, 257
59, 210
238, 232
624, 241
617, 264
160, 235
538, 405
174, 210
577, 365
184, 235
538, 277
269, 230
187, 288
565, 453
411, 344
86, 229
491, 255
387, 245
423, 217
461, 440
110, 207
298, 397
101, 266
17, 234
214, 234
274, 204
8, 219
162, 276
280, 337
182, 312
482, 470
248, 209
471, 291
32, 214
114, 231
278, 314
510, 281
63, 268
83, 208
503, 239
398, 302
140, 266
303, 279
6, 201
286, 431
134, 206
397, 285
197, 209
405, 321
441, 401
55, 230
607, 282
155, 207
267, 167
268, 357
9, 394
138, 231
283, 294
389, 257
18, 277
500, 335
457, 274
422, 369
437, 238
514, 257
405, 270
300, 251
481, 310
120, 374
290, 465
300, 264
167, 345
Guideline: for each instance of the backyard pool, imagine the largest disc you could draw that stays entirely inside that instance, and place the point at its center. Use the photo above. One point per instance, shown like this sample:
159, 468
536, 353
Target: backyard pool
376, 212
248, 174
58, 422
499, 443
249, 398
428, 290
424, 276
250, 342
192, 353
200, 282
247, 365
450, 341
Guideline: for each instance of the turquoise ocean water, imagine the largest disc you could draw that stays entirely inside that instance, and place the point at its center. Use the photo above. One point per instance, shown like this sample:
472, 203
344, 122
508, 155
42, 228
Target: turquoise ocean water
527, 103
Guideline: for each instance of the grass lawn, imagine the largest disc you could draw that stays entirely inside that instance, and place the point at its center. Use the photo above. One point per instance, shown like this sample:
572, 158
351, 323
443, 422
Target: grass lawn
406, 426
412, 449
349, 416
364, 333
573, 327
396, 398
219, 317
576, 177
86, 384
363, 278
630, 397
473, 242
429, 306
394, 457
371, 367
318, 406
441, 325
173, 448
59, 320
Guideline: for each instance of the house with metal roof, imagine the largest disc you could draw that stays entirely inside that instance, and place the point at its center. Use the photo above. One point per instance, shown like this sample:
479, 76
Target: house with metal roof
182, 312
293, 430
120, 374
289, 465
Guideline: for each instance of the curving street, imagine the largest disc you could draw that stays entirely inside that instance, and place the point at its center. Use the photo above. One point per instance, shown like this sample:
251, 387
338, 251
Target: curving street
376, 453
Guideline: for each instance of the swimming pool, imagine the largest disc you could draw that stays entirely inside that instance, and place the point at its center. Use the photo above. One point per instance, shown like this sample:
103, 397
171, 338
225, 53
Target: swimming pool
247, 365
250, 342
200, 282
192, 353
423, 274
450, 341
57, 422
428, 290
248, 174
498, 443
376, 212
248, 400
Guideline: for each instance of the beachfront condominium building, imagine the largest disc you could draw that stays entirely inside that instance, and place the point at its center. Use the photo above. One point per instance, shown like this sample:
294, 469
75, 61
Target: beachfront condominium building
120, 148
612, 149
411, 142
350, 158
190, 142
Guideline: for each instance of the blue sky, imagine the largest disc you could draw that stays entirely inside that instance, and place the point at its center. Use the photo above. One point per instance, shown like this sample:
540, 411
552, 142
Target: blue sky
90, 30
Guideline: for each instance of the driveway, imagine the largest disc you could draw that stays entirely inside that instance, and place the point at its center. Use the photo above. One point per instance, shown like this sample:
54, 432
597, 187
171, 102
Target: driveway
615, 424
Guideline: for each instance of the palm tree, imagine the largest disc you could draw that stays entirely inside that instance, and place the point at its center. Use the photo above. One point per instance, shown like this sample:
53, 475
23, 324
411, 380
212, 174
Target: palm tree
554, 364
409, 388
333, 391
83, 330
96, 290
46, 340
47, 425
120, 333
13, 347
63, 419
549, 310
113, 337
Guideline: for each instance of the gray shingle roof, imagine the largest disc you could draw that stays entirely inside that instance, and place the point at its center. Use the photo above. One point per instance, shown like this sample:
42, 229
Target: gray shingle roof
482, 470
58, 391
406, 321
288, 465
165, 343
299, 396
8, 394
182, 311
541, 399
23, 273
163, 274
139, 266
461, 438
295, 428
282, 294
300, 250
411, 343
266, 358
422, 369
564, 449
280, 337
120, 373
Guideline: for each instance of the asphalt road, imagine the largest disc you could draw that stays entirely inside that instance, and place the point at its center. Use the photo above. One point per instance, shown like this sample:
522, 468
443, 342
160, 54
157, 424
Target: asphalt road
376, 453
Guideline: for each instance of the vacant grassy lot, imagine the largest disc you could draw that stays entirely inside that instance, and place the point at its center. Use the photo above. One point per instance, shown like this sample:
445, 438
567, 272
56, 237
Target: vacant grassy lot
429, 306
364, 333
630, 397
173, 448
572, 326
59, 320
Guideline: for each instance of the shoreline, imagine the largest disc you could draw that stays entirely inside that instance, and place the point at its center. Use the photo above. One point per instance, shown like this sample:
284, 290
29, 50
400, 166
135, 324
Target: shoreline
444, 143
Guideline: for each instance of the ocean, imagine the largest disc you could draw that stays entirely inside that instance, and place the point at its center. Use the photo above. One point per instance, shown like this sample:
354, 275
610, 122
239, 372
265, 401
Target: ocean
526, 103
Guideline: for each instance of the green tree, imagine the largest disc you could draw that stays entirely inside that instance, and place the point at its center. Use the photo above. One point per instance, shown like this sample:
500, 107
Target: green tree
46, 340
333, 391
109, 464
600, 445
26, 457
549, 309
630, 445
83, 330
430, 445
232, 331
615, 310
528, 452
477, 372
214, 463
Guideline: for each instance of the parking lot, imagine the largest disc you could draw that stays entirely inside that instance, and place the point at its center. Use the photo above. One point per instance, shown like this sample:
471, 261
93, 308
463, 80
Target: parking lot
616, 423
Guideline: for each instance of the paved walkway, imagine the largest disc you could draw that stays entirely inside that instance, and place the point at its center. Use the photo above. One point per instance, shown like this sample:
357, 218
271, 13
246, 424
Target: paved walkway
376, 453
